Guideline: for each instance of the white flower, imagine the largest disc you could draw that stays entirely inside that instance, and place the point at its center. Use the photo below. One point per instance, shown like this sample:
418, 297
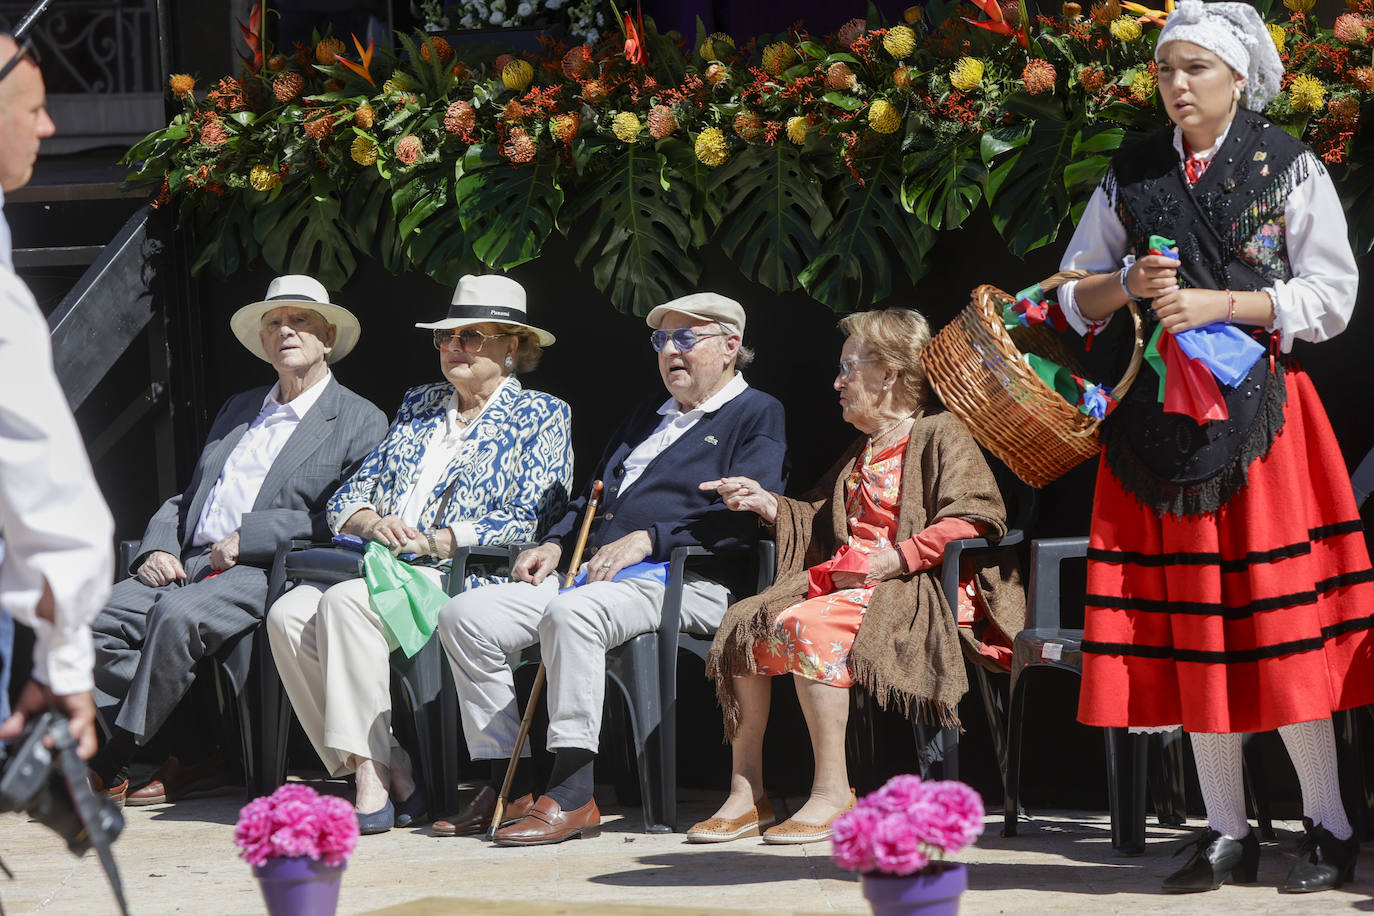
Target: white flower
497, 17
524, 9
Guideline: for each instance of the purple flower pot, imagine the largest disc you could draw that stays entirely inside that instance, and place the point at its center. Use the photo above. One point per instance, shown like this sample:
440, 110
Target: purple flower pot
933, 891
299, 886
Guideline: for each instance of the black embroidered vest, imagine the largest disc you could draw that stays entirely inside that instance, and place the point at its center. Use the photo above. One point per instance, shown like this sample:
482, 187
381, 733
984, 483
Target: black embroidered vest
1230, 233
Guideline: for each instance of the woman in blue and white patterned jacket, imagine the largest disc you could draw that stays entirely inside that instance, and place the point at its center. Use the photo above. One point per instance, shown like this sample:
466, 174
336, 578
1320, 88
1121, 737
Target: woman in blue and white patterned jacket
475, 459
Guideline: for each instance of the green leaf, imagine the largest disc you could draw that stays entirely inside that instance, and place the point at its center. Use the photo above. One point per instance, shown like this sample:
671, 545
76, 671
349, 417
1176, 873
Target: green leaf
636, 237
507, 211
944, 185
707, 196
369, 218
1025, 187
440, 249
777, 214
847, 102
872, 238
226, 238
812, 50
301, 233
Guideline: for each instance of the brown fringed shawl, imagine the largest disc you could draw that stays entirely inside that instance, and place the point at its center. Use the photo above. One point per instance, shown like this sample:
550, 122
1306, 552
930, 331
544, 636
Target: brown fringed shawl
906, 649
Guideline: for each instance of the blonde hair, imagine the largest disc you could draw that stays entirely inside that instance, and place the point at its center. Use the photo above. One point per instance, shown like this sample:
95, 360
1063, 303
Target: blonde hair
528, 353
896, 337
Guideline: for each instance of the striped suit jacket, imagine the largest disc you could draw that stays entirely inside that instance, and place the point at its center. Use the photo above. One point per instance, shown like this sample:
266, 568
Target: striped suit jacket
509, 481
326, 447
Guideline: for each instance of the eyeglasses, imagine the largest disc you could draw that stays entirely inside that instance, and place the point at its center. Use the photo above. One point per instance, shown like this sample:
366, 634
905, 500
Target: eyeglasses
846, 368
26, 49
683, 338
471, 340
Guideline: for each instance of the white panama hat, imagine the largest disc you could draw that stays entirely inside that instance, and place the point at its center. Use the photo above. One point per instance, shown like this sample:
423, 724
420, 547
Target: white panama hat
305, 292
484, 298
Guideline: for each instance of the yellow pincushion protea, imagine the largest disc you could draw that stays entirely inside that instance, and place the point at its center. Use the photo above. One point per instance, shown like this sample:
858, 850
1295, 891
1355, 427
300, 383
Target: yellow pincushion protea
711, 147
363, 150
717, 46
1143, 85
181, 83
967, 74
263, 178
777, 57
899, 41
564, 127
883, 116
1306, 93
796, 129
1280, 37
1300, 6
1125, 29
517, 75
626, 127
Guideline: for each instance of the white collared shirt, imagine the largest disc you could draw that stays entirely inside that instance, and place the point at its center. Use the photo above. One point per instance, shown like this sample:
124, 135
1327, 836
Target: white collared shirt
674, 426
246, 468
53, 519
442, 448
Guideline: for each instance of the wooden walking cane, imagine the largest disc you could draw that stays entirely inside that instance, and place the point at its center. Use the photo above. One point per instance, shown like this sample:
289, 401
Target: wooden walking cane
528, 718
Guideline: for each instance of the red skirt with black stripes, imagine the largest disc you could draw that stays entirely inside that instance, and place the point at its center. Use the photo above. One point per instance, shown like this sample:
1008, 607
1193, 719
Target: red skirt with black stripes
1257, 615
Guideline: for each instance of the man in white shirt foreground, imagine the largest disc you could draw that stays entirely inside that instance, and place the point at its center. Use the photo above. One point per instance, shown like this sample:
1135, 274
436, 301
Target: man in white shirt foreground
55, 573
199, 580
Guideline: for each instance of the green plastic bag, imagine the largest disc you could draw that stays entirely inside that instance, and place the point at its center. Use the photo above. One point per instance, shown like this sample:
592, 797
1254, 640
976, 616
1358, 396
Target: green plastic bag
406, 599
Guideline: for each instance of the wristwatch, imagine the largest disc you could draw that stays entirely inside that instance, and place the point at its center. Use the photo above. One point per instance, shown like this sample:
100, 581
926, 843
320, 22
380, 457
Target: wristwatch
433, 544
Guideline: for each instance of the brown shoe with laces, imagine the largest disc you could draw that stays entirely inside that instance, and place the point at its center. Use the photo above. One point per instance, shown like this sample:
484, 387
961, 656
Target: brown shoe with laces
723, 830
794, 832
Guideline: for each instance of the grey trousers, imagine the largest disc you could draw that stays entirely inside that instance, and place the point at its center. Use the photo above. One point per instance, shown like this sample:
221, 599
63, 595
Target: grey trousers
149, 640
481, 627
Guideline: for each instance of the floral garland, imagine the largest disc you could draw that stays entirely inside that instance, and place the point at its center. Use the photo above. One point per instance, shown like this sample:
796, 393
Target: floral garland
824, 163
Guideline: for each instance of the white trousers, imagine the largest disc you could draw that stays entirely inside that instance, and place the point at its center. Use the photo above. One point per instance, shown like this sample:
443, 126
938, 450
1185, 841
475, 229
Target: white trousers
332, 656
481, 627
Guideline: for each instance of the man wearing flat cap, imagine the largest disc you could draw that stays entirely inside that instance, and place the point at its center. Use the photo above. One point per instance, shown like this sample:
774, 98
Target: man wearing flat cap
199, 579
712, 425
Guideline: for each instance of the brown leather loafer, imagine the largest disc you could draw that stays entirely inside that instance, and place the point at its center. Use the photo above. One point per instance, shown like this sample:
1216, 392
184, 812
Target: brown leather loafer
173, 782
117, 794
794, 832
476, 816
548, 823
723, 830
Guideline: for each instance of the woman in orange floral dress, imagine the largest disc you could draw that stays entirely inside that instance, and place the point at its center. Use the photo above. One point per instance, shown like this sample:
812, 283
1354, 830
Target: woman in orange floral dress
857, 598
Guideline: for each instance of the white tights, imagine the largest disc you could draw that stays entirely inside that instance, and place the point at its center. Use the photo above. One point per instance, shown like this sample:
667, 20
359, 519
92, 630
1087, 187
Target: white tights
1312, 747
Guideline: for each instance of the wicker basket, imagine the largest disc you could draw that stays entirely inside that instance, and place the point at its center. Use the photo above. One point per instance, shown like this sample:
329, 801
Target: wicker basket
975, 366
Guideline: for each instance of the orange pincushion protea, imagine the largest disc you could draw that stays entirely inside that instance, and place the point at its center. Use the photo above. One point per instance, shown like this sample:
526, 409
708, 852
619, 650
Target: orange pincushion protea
594, 91
565, 126
748, 125
513, 112
288, 86
1039, 76
433, 47
364, 116
840, 78
319, 128
181, 84
408, 149
519, 147
577, 63
460, 118
327, 50
661, 122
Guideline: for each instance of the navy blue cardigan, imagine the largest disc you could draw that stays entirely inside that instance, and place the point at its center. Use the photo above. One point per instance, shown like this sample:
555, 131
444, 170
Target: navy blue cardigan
744, 438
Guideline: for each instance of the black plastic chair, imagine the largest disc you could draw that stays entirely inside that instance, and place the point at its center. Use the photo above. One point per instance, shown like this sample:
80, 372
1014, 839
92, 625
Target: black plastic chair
1046, 645
424, 682
644, 670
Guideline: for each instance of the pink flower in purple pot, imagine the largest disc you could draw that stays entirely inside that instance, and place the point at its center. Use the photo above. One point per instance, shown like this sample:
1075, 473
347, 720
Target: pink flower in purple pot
902, 827
296, 821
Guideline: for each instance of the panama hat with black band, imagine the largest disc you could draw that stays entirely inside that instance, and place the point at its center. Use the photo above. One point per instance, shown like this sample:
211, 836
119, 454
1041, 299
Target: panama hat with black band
488, 298
299, 291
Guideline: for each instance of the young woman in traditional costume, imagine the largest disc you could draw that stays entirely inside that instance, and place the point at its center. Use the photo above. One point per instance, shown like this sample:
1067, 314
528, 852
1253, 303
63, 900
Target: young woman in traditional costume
1229, 586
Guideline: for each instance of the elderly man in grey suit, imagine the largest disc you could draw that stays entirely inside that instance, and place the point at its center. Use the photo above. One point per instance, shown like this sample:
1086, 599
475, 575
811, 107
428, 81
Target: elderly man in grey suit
273, 459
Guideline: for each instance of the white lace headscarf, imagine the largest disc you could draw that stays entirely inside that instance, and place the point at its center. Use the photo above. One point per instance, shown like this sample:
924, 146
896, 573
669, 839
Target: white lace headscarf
1235, 33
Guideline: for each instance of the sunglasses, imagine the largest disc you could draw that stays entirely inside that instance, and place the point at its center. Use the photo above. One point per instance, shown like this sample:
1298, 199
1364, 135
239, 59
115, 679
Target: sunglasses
846, 368
683, 338
471, 340
26, 49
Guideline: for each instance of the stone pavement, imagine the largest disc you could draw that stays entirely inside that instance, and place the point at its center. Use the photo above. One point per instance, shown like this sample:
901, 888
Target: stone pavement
180, 859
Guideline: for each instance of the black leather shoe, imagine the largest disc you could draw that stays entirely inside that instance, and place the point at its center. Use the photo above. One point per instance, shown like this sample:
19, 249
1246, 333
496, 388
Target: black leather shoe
1324, 862
1216, 859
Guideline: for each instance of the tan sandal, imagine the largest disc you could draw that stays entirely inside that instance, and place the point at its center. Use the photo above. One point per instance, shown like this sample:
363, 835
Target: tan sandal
723, 830
794, 832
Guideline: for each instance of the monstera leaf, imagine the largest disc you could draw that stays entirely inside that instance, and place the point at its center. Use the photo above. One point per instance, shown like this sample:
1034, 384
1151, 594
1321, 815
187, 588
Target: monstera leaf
872, 238
507, 211
1092, 151
301, 233
636, 238
707, 199
943, 185
369, 218
777, 214
226, 235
